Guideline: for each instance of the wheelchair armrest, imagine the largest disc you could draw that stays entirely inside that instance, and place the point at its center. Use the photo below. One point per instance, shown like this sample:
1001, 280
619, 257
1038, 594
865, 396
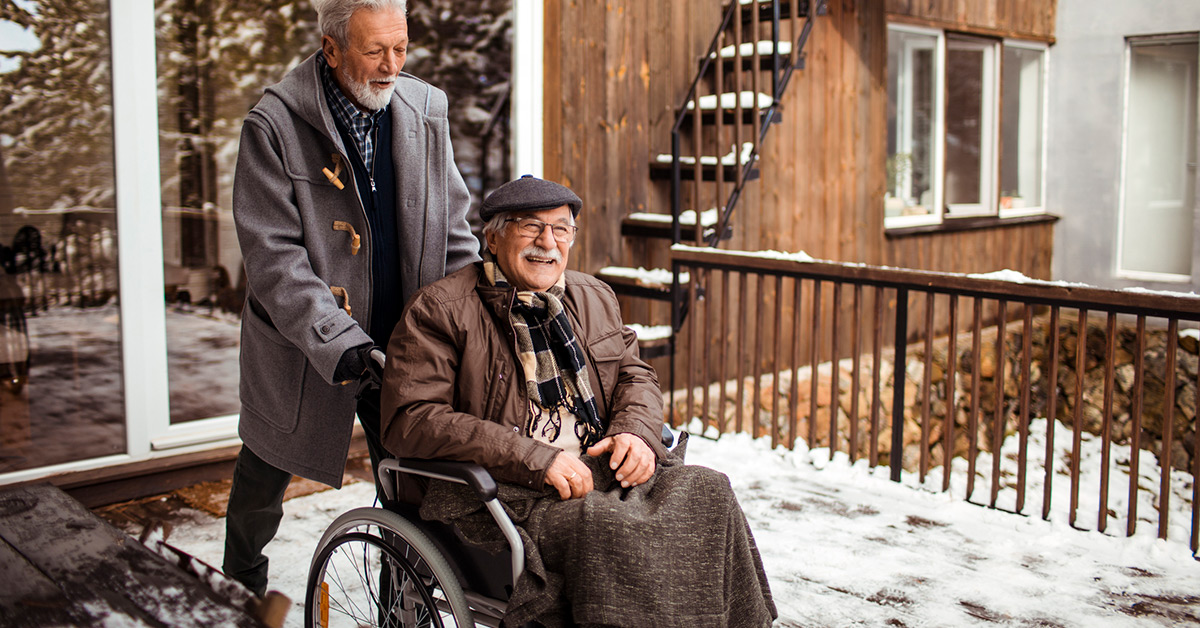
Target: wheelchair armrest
467, 473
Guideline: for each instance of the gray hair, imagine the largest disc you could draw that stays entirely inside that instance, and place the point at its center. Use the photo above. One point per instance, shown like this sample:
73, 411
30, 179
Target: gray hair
495, 224
333, 16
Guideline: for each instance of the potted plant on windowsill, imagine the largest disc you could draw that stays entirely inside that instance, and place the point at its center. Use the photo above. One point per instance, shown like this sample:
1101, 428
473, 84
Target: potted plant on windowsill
1011, 200
898, 167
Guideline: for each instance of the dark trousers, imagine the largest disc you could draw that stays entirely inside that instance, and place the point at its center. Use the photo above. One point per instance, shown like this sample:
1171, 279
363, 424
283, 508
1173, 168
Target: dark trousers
256, 502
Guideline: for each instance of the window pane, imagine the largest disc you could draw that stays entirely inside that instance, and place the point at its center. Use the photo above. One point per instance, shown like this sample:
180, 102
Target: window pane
1021, 161
1160, 157
964, 122
214, 59
911, 117
61, 396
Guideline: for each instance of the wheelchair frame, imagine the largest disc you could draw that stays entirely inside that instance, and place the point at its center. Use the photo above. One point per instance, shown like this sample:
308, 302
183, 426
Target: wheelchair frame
438, 569
466, 606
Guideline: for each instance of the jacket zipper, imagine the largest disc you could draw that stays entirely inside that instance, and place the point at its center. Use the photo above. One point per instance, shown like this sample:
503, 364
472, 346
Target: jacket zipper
371, 170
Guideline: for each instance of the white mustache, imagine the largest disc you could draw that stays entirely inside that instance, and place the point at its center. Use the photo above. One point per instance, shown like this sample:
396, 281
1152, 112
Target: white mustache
534, 250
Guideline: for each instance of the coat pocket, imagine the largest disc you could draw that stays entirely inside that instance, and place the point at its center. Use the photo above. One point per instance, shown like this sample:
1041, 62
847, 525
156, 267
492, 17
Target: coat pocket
606, 354
498, 386
272, 374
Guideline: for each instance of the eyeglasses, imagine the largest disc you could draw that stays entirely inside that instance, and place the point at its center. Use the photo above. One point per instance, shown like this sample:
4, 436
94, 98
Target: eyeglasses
534, 228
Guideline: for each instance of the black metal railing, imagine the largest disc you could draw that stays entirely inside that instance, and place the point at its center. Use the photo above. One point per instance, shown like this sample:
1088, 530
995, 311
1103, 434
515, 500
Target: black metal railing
745, 70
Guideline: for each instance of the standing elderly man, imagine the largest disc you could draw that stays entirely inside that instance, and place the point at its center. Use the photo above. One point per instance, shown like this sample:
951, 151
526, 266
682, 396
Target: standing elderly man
525, 368
346, 201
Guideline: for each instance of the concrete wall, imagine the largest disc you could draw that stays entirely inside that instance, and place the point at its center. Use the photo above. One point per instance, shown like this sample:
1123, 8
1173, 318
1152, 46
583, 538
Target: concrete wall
1086, 110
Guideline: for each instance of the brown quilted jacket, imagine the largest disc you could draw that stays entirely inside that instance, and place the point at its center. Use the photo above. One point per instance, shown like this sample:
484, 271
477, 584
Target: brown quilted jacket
453, 388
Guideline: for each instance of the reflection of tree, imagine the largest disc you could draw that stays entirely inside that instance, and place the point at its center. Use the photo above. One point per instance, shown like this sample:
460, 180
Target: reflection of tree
57, 106
465, 48
56, 121
214, 58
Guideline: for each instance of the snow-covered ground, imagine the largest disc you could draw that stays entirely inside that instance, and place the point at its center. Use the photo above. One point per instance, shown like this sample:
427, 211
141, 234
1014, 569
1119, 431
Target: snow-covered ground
844, 546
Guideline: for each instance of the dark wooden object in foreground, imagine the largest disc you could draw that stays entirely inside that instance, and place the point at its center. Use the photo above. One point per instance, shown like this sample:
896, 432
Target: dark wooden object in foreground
64, 566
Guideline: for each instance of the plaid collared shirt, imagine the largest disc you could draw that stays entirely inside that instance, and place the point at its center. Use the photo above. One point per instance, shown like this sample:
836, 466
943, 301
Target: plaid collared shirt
360, 123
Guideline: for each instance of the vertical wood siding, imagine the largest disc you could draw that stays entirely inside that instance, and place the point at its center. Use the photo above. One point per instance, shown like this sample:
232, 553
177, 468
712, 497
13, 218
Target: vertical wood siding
617, 69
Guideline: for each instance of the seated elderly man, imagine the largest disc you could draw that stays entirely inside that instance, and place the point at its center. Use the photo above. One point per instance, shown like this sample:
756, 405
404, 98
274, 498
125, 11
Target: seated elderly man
525, 368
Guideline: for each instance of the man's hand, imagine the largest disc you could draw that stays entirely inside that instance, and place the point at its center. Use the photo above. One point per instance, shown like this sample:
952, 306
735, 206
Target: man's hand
569, 476
372, 374
632, 458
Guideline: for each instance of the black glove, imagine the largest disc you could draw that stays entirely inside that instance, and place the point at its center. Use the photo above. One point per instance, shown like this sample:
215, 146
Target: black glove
359, 367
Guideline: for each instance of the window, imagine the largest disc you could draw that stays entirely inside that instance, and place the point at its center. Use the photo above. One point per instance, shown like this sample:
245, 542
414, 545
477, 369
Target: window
1159, 181
970, 125
914, 114
1022, 94
212, 67
953, 150
61, 395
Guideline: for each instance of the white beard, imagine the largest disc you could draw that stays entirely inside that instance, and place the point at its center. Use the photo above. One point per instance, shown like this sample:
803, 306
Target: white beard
366, 95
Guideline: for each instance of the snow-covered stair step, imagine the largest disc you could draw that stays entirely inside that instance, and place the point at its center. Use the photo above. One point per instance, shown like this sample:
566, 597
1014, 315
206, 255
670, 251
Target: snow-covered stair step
732, 161
751, 104
732, 158
731, 100
654, 341
747, 49
644, 224
708, 217
652, 283
766, 60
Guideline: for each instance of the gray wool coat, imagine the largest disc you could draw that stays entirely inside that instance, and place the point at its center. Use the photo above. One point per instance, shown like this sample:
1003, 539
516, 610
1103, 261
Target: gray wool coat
307, 251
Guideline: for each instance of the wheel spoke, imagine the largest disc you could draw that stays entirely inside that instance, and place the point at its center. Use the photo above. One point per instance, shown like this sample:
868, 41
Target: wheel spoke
381, 571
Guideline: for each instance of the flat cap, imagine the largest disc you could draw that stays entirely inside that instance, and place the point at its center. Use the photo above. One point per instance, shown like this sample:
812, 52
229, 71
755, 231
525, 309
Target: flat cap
529, 193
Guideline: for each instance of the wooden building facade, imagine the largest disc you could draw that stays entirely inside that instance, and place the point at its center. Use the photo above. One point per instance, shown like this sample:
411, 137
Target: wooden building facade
617, 72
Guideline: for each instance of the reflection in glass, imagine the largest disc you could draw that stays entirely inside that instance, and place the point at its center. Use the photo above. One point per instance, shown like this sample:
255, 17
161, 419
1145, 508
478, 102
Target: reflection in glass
967, 128
1021, 158
61, 396
911, 118
215, 57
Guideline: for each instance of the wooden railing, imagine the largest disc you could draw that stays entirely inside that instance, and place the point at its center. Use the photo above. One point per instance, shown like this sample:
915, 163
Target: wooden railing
750, 370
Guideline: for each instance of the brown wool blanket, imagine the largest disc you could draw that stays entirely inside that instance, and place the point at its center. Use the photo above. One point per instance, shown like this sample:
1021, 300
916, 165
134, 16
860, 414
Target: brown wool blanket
673, 552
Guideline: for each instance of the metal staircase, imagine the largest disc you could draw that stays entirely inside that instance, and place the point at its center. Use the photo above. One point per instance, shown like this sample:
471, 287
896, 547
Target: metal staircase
720, 125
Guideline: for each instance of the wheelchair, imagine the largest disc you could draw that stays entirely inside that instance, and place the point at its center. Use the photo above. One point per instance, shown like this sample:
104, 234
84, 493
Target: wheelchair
387, 567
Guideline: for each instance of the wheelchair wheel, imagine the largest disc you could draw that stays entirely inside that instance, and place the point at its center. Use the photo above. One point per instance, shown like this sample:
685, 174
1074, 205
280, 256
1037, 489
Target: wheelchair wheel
374, 568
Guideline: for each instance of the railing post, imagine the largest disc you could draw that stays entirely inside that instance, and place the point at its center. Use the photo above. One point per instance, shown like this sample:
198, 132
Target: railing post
672, 340
896, 456
776, 88
676, 176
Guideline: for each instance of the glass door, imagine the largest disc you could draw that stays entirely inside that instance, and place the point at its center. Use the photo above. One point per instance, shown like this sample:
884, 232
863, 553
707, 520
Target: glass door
62, 397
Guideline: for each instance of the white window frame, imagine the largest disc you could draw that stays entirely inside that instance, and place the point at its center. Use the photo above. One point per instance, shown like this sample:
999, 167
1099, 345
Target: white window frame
1118, 261
527, 87
904, 135
1040, 206
990, 139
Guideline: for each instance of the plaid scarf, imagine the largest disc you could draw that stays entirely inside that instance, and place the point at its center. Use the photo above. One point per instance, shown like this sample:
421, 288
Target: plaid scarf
546, 340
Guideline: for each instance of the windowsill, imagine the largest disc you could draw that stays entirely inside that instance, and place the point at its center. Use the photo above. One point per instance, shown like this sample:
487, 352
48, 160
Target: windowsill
951, 225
